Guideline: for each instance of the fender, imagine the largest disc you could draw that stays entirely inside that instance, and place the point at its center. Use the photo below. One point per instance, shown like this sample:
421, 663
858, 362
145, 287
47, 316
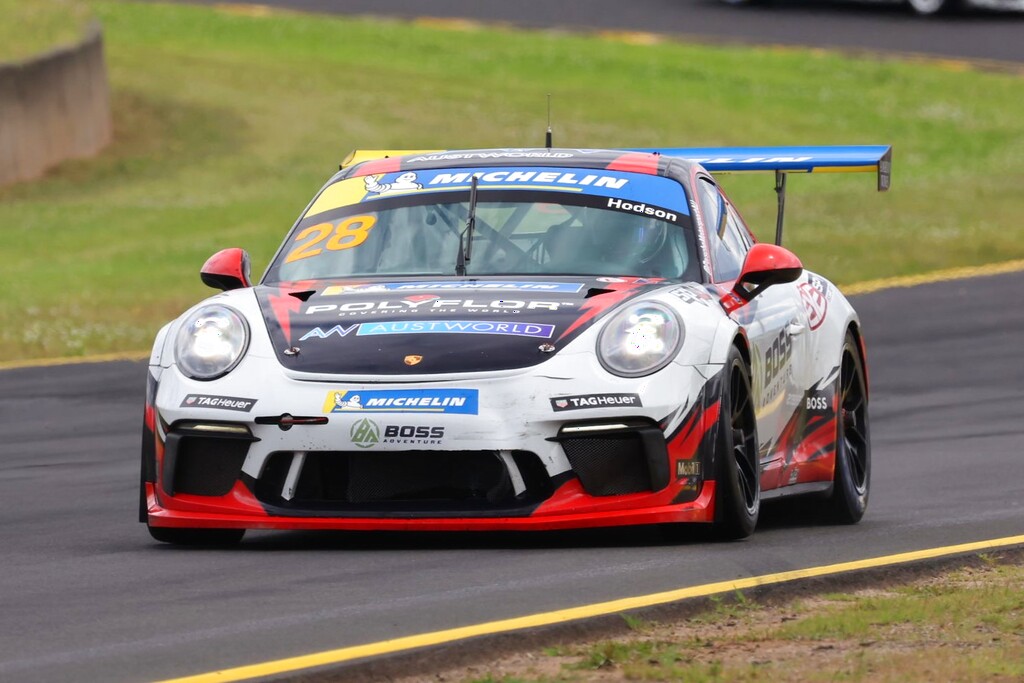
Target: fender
726, 332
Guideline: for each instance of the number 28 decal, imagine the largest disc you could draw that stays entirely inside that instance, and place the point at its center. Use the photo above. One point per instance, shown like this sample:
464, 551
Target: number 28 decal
349, 233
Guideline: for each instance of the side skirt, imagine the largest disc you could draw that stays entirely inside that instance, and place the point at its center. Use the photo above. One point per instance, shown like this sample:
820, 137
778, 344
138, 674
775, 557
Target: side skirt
798, 490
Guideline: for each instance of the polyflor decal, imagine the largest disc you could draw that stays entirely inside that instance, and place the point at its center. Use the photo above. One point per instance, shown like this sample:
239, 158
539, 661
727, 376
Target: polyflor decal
486, 285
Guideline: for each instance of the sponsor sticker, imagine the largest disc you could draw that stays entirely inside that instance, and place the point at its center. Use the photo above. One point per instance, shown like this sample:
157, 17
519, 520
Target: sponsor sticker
457, 327
499, 154
243, 405
487, 286
583, 401
643, 209
366, 433
815, 303
433, 327
692, 294
633, 188
687, 468
458, 401
534, 177
403, 182
431, 303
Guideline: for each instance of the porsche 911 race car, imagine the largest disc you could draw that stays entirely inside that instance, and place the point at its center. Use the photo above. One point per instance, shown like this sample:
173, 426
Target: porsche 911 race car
513, 339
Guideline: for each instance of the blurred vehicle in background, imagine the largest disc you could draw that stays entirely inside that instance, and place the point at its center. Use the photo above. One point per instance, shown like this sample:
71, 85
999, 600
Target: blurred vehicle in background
930, 7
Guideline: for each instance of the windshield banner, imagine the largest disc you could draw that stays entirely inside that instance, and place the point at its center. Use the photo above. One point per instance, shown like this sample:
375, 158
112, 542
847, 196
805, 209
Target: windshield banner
635, 189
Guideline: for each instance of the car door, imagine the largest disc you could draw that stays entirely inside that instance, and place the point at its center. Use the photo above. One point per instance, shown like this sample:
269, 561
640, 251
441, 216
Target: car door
775, 322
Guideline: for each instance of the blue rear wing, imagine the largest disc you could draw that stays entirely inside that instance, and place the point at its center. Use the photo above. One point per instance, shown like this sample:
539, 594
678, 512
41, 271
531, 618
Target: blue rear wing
839, 159
784, 160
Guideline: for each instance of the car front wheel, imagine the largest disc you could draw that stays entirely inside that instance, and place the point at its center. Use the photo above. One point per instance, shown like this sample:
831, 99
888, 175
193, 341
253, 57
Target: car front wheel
737, 478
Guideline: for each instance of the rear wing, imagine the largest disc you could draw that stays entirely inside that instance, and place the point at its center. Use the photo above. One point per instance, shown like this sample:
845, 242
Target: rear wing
784, 160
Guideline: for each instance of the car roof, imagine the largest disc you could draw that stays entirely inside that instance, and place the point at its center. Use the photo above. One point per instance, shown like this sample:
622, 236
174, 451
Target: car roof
372, 162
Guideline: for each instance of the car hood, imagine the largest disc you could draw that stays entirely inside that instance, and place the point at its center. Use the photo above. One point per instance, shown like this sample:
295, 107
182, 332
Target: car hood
442, 325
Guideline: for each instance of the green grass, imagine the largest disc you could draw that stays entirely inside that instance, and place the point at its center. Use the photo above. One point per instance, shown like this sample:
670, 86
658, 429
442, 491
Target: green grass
31, 27
226, 124
963, 625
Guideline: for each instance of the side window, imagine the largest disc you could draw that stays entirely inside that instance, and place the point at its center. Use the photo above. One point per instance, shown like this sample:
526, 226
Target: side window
726, 257
736, 236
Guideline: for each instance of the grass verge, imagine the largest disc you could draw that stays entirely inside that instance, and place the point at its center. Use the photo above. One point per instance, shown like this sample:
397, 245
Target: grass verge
959, 625
227, 121
32, 27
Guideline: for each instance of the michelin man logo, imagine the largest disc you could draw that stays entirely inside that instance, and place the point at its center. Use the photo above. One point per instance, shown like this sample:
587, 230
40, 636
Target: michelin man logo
353, 403
403, 183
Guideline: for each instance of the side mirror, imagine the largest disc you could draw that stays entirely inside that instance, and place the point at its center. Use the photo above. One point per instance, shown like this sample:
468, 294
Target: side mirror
766, 265
227, 269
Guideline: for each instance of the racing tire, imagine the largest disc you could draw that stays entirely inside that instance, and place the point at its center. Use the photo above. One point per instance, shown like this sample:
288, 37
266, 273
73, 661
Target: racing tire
852, 479
196, 537
737, 475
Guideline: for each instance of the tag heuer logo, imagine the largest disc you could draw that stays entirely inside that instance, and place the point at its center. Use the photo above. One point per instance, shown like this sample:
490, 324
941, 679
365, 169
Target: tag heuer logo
413, 360
365, 433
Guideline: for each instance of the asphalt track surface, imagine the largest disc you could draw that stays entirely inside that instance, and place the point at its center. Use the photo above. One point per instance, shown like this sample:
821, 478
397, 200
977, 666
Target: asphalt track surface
847, 24
85, 595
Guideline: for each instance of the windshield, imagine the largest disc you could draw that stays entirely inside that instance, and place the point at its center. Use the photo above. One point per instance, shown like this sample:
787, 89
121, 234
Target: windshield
516, 231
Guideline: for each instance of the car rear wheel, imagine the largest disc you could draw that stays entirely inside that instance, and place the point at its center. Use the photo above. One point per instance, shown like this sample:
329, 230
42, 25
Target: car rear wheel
852, 478
196, 537
932, 7
737, 478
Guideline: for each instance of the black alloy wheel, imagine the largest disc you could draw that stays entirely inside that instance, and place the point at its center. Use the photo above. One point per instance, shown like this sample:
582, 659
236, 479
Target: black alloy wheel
852, 479
738, 487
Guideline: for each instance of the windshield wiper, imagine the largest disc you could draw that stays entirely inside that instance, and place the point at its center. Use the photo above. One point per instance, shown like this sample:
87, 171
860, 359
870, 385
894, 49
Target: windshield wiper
466, 243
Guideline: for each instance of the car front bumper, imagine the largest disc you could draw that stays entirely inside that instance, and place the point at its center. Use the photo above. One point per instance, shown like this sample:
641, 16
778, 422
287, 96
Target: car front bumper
515, 462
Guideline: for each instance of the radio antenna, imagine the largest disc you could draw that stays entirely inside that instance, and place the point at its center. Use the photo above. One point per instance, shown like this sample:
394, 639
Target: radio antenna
547, 137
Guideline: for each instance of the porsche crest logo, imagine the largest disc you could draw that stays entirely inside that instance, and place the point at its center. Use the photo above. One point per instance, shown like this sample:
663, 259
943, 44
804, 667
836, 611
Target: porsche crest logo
413, 360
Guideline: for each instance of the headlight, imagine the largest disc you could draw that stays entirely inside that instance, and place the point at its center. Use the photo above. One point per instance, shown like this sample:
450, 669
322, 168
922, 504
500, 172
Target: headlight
640, 340
211, 342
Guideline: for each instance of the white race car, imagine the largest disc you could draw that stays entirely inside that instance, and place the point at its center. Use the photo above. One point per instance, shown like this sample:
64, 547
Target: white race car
930, 7
513, 339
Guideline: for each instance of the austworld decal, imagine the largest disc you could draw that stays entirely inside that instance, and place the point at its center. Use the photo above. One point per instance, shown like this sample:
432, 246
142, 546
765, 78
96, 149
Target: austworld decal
536, 330
457, 401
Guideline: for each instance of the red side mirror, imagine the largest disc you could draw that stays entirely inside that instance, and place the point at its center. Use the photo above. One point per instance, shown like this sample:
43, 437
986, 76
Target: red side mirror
227, 269
766, 265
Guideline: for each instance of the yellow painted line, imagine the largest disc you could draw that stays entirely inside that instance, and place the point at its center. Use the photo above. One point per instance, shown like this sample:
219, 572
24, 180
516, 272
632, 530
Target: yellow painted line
243, 9
449, 24
346, 654
642, 38
71, 360
946, 275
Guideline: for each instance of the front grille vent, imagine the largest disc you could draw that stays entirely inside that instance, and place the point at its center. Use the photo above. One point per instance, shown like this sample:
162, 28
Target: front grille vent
208, 466
611, 464
350, 481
